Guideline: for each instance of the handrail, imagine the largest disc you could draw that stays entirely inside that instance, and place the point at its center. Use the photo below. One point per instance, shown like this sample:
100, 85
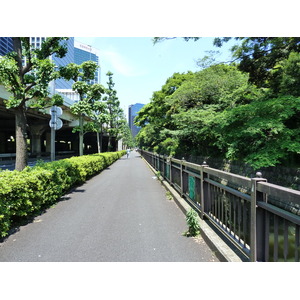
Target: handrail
242, 209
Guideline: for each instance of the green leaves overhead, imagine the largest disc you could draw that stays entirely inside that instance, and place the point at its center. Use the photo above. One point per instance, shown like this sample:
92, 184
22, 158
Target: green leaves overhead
259, 55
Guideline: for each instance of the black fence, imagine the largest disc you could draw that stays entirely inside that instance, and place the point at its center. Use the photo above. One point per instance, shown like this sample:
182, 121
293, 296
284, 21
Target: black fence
261, 219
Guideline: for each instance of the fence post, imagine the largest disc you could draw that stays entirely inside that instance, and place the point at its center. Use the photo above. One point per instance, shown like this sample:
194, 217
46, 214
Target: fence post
164, 166
170, 158
181, 176
204, 196
257, 223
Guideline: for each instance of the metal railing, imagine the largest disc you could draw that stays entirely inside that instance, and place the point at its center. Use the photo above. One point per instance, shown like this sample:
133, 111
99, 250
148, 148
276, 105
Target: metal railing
261, 219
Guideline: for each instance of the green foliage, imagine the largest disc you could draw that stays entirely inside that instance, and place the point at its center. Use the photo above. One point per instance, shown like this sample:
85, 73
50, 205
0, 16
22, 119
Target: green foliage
192, 223
114, 112
285, 77
30, 81
26, 74
89, 95
259, 55
22, 194
262, 133
246, 111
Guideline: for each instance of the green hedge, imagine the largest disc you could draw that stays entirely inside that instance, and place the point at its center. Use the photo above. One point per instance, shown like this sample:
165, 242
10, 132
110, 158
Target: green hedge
22, 194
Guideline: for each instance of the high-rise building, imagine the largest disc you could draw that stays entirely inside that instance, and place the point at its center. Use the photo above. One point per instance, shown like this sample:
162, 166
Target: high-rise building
6, 45
68, 58
133, 110
82, 53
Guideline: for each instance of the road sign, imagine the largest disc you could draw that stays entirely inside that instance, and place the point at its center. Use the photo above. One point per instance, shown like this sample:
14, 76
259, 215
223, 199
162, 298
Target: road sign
57, 125
55, 122
56, 110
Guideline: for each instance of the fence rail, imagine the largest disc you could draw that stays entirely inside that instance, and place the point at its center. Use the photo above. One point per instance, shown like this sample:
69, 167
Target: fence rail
260, 218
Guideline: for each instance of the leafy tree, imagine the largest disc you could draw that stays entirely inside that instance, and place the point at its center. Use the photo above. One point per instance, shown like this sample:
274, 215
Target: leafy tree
213, 85
262, 133
88, 93
181, 120
155, 114
125, 133
28, 83
258, 55
114, 111
99, 117
285, 76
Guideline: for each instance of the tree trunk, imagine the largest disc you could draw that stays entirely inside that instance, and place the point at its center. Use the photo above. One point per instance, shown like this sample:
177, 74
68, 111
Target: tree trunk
81, 135
21, 138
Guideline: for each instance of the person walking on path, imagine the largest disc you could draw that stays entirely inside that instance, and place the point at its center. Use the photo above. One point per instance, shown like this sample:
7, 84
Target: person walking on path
127, 152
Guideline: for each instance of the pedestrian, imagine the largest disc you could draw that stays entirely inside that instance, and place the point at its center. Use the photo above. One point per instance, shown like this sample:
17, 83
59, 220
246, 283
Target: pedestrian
127, 152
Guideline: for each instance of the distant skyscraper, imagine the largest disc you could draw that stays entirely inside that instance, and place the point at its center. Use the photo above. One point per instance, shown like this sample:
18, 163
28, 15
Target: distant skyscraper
6, 45
132, 113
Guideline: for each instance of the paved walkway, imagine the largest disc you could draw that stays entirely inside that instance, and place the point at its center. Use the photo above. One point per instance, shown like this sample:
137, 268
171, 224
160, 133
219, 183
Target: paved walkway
120, 215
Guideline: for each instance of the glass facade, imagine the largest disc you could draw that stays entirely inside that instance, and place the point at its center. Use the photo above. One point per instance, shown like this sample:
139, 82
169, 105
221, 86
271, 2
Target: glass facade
68, 58
6, 45
82, 53
132, 113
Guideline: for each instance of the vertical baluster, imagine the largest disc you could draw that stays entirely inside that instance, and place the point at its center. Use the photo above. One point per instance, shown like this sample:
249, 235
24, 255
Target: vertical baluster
205, 194
275, 238
239, 218
286, 237
212, 201
222, 195
297, 242
217, 204
212, 196
227, 201
230, 214
171, 171
245, 233
234, 217
257, 221
267, 229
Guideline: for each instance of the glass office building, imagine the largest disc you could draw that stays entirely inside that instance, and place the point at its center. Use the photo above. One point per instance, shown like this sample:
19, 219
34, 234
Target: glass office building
68, 58
82, 53
132, 113
6, 45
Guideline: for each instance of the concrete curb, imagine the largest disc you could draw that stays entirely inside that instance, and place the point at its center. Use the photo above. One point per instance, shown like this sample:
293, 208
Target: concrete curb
221, 249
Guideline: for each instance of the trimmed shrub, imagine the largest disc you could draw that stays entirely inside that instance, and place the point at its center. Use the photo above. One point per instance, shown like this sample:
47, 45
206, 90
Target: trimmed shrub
22, 194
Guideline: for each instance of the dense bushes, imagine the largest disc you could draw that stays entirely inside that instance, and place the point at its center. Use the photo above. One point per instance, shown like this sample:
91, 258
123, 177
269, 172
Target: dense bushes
24, 193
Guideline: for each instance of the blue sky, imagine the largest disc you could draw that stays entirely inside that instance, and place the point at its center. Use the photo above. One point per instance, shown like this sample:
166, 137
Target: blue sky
140, 67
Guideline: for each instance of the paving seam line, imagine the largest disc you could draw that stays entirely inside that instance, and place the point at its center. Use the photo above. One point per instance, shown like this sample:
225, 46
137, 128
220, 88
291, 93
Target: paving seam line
221, 249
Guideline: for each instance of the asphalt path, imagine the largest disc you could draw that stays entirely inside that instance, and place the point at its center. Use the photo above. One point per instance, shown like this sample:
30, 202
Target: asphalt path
120, 215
